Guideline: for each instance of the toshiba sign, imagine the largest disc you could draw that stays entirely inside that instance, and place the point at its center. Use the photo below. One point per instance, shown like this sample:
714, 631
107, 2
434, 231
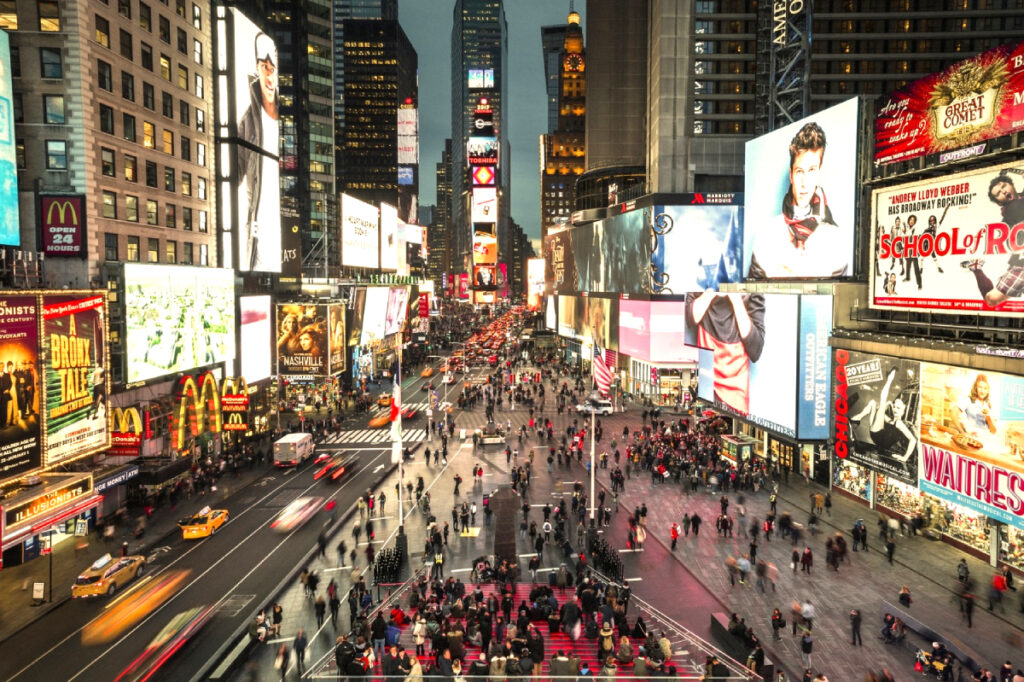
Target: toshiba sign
63, 225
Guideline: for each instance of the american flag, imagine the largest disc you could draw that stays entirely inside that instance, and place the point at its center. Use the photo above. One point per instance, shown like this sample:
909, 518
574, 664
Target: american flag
602, 373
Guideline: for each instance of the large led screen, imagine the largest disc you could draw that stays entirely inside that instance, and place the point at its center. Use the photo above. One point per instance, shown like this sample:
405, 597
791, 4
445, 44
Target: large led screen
559, 262
355, 330
177, 318
815, 367
302, 339
338, 340
951, 244
484, 208
534, 283
398, 306
257, 330
482, 151
653, 331
485, 277
374, 315
551, 313
9, 226
969, 102
590, 319
76, 381
613, 255
19, 386
485, 245
388, 237
972, 440
875, 412
748, 354
695, 247
801, 187
359, 230
254, 72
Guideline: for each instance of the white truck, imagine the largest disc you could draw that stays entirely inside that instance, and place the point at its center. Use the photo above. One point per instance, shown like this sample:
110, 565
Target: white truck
293, 449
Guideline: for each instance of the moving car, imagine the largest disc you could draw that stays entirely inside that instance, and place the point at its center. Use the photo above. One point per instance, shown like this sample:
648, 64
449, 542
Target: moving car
427, 372
336, 467
124, 614
448, 379
380, 421
107, 574
409, 412
296, 513
603, 407
292, 449
205, 523
384, 400
169, 641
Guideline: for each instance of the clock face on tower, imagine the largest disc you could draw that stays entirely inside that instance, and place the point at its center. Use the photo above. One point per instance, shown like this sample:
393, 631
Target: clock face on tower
573, 62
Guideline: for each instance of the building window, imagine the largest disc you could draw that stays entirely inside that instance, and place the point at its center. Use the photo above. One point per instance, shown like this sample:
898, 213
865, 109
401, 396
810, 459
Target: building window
170, 215
131, 168
204, 254
127, 86
131, 208
104, 75
132, 252
19, 108
182, 77
200, 120
147, 56
171, 255
186, 218
179, 7
168, 142
50, 63
148, 135
129, 127
15, 62
57, 154
109, 205
127, 48
49, 16
53, 109
182, 41
107, 119
151, 212
153, 250
197, 51
107, 162
201, 188
197, 16
165, 30
148, 96
203, 227
186, 253
168, 105
19, 154
124, 8
183, 112
9, 15
186, 183
110, 246
150, 174
165, 67
102, 30
201, 154
168, 179
145, 17
186, 149
199, 86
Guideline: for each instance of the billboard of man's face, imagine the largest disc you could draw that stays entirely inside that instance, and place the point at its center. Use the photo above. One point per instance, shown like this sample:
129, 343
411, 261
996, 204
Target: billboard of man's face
804, 172
266, 70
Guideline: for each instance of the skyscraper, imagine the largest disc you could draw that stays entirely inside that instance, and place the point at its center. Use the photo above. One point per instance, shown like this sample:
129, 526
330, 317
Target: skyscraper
551, 39
439, 233
479, 54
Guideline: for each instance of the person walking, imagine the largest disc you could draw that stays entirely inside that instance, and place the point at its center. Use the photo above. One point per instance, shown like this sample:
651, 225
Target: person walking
674, 534
320, 608
281, 662
778, 623
855, 619
695, 522
890, 548
806, 646
806, 560
962, 571
335, 605
299, 644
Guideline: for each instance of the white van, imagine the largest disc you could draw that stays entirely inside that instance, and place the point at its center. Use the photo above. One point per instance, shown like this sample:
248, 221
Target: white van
603, 407
293, 449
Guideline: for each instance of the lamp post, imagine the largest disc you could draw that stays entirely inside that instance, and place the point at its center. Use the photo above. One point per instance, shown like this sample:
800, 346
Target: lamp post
401, 541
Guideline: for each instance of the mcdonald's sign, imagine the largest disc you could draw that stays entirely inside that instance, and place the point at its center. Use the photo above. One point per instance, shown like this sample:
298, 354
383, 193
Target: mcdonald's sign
63, 224
201, 407
126, 438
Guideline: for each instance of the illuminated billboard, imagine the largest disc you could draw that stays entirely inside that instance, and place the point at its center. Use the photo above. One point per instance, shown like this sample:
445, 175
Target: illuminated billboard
483, 123
485, 277
374, 315
534, 283
971, 101
696, 247
800, 202
480, 78
482, 176
406, 175
462, 286
302, 339
484, 205
482, 151
398, 305
19, 385
485, 249
63, 222
408, 137
653, 331
613, 255
359, 233
589, 319
355, 329
177, 318
338, 340
256, 331
388, 237
559, 262
952, 244
9, 226
551, 314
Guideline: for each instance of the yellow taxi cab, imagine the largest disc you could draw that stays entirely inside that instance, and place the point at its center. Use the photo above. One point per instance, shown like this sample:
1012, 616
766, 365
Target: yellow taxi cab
384, 400
427, 372
203, 524
107, 574
380, 421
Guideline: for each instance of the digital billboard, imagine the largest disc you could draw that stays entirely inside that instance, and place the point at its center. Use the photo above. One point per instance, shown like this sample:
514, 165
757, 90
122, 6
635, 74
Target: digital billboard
590, 319
359, 233
485, 277
534, 283
63, 225
951, 244
388, 237
613, 255
177, 318
483, 297
19, 386
398, 306
10, 234
695, 247
480, 78
972, 440
256, 332
483, 123
653, 331
462, 286
254, 74
338, 338
76, 382
482, 151
748, 354
408, 138
484, 206
302, 339
374, 315
801, 187
815, 361
551, 313
559, 262
971, 101
482, 176
876, 411
406, 176
355, 329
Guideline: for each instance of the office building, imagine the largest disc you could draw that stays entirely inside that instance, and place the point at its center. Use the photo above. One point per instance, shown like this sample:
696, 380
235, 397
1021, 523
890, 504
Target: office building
439, 231
551, 40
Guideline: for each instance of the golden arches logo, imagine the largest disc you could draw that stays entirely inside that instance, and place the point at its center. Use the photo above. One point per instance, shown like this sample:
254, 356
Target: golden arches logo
204, 401
234, 386
127, 421
62, 208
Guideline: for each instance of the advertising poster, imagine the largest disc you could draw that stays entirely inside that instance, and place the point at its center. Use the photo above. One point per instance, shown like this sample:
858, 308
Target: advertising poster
338, 339
969, 102
502, 275
374, 315
63, 226
462, 286
482, 176
302, 339
559, 262
484, 277
408, 138
19, 386
484, 207
9, 231
972, 440
613, 255
388, 237
695, 247
551, 314
76, 382
752, 375
653, 331
534, 283
398, 305
177, 318
482, 151
589, 319
876, 412
257, 331
951, 244
815, 367
355, 330
567, 314
254, 71
485, 245
483, 297
480, 78
359, 233
799, 207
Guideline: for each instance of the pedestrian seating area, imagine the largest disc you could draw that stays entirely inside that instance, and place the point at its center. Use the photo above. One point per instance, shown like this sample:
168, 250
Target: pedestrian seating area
926, 635
734, 645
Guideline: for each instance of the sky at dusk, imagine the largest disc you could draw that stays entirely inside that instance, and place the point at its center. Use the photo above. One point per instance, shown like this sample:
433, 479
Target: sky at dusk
428, 23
